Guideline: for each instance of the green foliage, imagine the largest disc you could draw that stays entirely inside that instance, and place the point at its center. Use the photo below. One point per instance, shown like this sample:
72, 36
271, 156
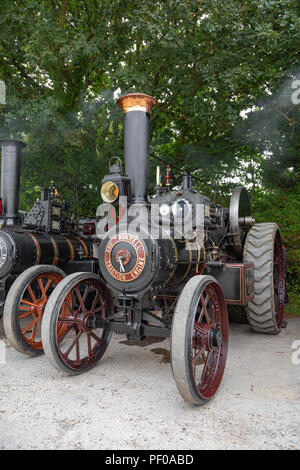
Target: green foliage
284, 208
221, 71
294, 305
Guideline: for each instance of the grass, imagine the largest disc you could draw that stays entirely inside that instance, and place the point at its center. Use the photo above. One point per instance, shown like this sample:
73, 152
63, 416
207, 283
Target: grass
294, 306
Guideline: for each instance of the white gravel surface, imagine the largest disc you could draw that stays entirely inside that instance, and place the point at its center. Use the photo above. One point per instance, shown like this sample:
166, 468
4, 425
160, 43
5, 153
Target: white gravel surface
130, 401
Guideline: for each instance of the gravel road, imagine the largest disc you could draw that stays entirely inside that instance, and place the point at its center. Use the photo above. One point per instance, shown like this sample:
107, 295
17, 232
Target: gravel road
130, 401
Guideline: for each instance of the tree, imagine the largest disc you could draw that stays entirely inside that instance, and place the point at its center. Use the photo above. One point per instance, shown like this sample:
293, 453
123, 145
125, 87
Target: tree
220, 71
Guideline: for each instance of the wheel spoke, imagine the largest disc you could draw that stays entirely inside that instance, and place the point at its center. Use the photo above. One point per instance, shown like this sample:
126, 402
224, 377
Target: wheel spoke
31, 304
66, 304
72, 321
48, 285
89, 343
62, 335
99, 308
205, 308
86, 293
30, 325
66, 354
199, 328
93, 335
102, 306
33, 332
202, 302
42, 288
197, 355
77, 351
206, 367
25, 307
26, 314
94, 302
213, 313
81, 303
204, 311
29, 288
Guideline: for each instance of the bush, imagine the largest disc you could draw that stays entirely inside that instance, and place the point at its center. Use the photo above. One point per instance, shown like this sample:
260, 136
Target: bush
284, 209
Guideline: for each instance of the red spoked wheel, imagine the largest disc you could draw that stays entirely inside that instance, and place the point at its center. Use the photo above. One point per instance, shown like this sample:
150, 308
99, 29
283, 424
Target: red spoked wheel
79, 306
199, 339
25, 304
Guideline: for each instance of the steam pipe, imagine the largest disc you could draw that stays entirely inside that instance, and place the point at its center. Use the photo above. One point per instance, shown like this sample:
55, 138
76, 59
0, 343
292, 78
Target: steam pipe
137, 108
10, 179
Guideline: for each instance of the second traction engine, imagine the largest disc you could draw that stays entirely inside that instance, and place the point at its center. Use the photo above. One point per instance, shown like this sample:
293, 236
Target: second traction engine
45, 236
37, 250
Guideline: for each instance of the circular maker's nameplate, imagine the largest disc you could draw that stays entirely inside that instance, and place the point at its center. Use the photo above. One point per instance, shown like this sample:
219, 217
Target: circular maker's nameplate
140, 254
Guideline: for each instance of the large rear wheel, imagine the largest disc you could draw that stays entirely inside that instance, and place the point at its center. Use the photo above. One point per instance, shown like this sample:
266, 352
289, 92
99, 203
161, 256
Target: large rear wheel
79, 307
263, 248
199, 339
24, 307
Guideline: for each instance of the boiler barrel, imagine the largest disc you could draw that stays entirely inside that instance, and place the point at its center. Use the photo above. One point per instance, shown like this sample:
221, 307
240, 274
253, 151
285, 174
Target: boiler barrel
20, 250
58, 250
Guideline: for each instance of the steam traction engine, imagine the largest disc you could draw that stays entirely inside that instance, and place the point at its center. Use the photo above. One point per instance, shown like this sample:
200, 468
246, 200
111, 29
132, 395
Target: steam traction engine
161, 280
46, 241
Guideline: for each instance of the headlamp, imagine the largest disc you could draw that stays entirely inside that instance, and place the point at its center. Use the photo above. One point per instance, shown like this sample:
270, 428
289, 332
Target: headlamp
109, 192
164, 210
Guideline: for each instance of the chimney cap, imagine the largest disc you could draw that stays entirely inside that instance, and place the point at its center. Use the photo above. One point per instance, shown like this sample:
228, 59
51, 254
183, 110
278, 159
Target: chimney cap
6, 141
136, 102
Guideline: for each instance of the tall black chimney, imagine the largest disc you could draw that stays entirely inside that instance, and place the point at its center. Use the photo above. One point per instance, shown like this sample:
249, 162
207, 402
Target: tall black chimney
10, 179
137, 108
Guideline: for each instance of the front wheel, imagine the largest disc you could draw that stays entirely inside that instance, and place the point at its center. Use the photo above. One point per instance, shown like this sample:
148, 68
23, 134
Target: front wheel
79, 307
199, 339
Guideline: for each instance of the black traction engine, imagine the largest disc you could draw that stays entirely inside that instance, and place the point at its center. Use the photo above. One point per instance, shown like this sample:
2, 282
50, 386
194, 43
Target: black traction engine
169, 266
46, 240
